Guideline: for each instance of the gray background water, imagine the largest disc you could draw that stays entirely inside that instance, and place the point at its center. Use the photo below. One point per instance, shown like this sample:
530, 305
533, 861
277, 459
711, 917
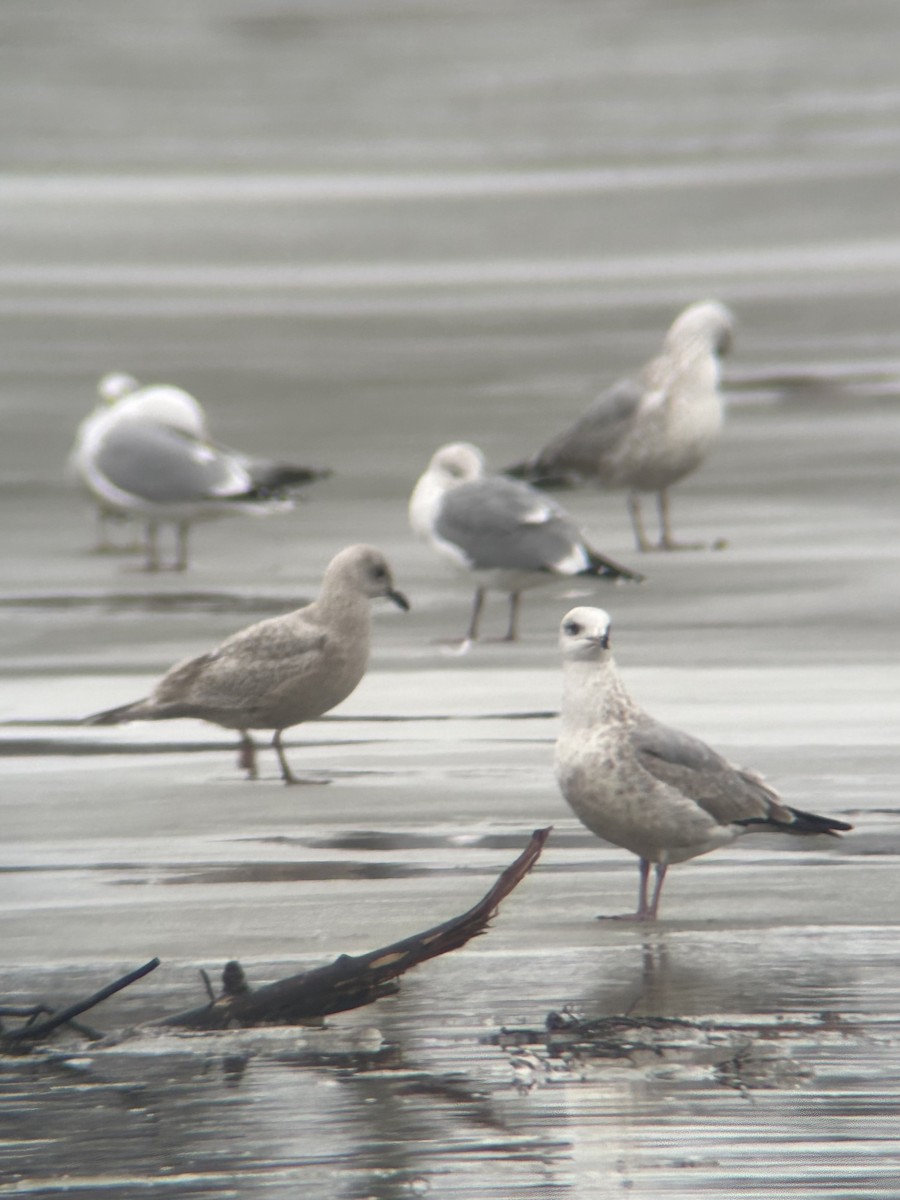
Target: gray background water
356, 230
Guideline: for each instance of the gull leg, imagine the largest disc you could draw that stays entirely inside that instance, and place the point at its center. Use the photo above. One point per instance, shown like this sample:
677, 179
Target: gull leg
465, 644
151, 562
471, 633
666, 538
477, 605
181, 559
646, 909
637, 522
642, 908
286, 773
247, 755
661, 869
512, 632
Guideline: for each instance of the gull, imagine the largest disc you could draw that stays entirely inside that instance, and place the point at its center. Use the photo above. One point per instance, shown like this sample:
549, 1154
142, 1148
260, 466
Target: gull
162, 402
145, 453
648, 432
507, 534
658, 792
280, 671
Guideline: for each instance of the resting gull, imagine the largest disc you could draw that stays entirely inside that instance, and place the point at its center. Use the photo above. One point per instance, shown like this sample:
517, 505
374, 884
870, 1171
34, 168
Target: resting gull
145, 453
660, 793
505, 533
647, 433
280, 671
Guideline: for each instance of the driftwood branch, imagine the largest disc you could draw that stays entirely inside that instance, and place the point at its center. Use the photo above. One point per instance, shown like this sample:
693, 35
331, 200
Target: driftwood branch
350, 982
35, 1031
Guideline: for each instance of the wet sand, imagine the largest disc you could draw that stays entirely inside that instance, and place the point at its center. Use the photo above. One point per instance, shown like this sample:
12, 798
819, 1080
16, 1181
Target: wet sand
354, 293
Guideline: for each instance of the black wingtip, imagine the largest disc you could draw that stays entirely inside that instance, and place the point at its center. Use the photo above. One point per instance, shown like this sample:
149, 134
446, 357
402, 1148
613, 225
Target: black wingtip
605, 568
274, 479
547, 481
520, 470
805, 822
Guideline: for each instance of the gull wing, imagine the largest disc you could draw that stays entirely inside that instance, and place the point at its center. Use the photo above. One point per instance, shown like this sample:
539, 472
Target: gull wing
727, 793
166, 466
497, 523
596, 435
250, 666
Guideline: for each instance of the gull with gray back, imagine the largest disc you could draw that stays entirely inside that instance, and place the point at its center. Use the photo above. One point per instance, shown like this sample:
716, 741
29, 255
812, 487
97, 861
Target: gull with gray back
145, 454
506, 535
646, 433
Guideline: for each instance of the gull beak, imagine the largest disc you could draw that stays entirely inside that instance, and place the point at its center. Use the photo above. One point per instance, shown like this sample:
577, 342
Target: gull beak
601, 640
399, 599
724, 342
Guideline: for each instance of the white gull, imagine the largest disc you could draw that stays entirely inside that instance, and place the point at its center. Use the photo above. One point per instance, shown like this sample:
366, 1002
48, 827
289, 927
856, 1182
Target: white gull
145, 454
505, 534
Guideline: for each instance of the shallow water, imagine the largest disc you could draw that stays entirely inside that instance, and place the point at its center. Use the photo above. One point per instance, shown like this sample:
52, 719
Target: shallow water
356, 231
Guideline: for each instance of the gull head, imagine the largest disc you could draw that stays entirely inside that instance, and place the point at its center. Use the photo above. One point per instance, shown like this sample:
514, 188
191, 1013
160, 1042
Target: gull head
114, 386
166, 405
584, 635
708, 324
456, 463
366, 570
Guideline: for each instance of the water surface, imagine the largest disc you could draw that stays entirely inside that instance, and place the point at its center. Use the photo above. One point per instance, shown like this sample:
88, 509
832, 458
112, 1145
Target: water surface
357, 231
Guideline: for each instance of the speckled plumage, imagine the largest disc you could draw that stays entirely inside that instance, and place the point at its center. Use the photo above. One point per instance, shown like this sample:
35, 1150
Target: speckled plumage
658, 792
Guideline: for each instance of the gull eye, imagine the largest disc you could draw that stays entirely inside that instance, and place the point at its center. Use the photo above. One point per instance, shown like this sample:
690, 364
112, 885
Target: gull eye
378, 573
572, 628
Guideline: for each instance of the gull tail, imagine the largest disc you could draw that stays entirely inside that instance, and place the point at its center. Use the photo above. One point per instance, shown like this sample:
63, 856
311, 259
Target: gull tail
118, 716
601, 567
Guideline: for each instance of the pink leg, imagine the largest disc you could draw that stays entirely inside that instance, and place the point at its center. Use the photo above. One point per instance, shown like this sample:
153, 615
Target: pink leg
646, 909
247, 755
661, 869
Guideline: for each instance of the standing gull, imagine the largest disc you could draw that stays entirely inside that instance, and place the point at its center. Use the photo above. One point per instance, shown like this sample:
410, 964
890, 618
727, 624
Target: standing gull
660, 793
145, 453
505, 533
280, 671
648, 432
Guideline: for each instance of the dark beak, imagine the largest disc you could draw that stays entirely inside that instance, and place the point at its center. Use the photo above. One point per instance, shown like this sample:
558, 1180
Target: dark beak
399, 599
725, 343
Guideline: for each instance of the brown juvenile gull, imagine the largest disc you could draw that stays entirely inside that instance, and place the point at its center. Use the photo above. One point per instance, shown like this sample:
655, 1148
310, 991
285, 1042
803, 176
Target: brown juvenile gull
648, 432
506, 534
145, 454
658, 792
280, 671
